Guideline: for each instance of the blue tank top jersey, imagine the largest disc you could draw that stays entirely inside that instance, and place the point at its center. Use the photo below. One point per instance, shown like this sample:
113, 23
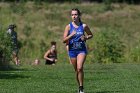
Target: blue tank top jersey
75, 42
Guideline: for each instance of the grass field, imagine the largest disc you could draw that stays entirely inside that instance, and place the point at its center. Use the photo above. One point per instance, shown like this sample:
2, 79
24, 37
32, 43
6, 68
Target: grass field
99, 78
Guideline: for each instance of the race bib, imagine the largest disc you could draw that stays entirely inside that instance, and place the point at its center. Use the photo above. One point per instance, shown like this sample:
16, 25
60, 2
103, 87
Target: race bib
77, 45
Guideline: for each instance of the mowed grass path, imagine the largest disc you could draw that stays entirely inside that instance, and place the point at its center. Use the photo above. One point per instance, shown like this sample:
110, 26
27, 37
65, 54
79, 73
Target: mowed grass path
99, 78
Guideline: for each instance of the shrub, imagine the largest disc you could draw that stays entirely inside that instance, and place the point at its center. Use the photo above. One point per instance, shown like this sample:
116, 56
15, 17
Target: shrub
135, 54
108, 47
5, 49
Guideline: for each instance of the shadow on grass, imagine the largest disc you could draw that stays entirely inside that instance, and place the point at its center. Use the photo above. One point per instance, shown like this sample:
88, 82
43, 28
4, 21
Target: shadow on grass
9, 73
14, 68
117, 91
11, 76
8, 68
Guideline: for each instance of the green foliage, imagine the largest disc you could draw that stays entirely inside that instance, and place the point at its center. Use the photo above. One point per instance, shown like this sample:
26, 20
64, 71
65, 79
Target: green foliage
108, 4
5, 48
108, 46
27, 30
43, 47
18, 8
135, 53
77, 1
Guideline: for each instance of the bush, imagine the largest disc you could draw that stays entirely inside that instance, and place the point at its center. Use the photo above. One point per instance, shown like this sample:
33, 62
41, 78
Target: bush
135, 54
5, 49
108, 47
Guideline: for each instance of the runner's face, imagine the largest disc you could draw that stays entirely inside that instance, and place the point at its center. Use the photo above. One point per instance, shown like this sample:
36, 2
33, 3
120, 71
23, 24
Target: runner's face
74, 16
53, 48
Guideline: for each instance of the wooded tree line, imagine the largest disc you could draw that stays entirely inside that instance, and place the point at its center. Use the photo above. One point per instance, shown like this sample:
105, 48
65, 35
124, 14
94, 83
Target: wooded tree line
99, 1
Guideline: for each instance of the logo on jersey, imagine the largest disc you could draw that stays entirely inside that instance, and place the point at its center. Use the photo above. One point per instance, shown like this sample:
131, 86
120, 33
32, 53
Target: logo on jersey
79, 33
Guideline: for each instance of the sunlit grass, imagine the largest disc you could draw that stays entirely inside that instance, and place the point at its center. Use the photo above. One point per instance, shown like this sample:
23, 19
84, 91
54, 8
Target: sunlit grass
99, 78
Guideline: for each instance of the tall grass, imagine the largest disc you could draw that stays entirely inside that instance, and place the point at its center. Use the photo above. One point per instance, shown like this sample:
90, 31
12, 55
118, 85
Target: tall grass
39, 24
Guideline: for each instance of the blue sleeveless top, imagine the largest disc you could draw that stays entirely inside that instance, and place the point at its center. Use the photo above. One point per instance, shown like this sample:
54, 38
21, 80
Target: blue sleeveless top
75, 42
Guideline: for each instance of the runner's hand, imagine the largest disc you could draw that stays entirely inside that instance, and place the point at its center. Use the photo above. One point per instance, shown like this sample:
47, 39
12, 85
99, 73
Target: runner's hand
83, 38
73, 33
